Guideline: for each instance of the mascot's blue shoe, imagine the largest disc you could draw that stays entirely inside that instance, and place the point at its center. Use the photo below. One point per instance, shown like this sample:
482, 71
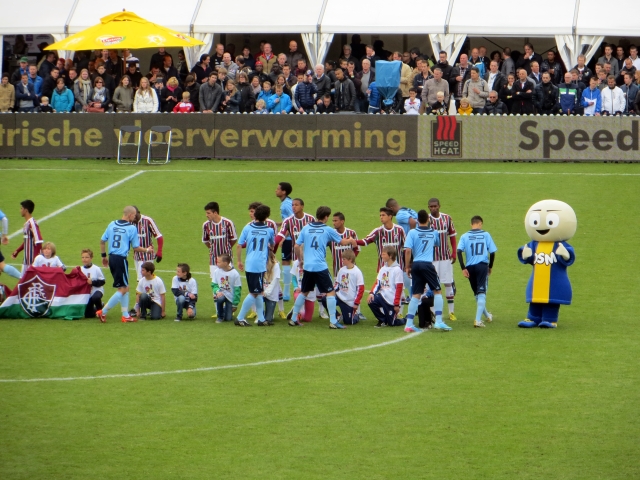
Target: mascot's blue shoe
527, 324
548, 325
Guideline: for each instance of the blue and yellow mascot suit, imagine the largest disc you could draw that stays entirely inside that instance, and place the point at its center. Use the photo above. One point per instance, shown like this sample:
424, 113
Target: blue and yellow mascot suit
549, 224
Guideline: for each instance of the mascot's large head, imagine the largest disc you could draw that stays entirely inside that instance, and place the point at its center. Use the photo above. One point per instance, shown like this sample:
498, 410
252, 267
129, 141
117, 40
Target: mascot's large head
550, 221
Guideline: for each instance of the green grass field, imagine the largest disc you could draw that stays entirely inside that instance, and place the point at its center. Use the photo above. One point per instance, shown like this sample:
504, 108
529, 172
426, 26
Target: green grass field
495, 403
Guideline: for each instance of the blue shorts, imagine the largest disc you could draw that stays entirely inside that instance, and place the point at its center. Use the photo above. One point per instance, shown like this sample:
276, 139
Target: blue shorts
255, 282
423, 274
287, 250
478, 277
322, 280
119, 267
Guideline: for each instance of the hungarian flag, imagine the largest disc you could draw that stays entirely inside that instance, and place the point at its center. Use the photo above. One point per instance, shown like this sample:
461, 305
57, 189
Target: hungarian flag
46, 292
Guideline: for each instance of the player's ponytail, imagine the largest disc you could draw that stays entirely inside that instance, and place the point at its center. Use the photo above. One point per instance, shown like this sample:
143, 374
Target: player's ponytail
185, 269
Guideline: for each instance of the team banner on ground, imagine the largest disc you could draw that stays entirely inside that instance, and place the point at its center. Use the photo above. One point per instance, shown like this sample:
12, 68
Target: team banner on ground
45, 292
348, 136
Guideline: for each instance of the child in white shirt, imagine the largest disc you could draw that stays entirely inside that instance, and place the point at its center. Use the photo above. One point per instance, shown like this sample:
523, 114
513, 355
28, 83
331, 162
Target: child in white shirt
96, 279
227, 289
412, 104
384, 299
150, 294
48, 257
349, 287
271, 287
185, 291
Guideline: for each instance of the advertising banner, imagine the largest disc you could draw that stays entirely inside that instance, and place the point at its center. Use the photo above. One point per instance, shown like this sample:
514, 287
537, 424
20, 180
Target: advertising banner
348, 136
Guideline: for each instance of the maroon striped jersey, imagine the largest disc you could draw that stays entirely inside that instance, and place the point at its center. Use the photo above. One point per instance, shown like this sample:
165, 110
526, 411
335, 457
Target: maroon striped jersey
147, 230
383, 237
337, 249
292, 226
31, 235
219, 237
444, 226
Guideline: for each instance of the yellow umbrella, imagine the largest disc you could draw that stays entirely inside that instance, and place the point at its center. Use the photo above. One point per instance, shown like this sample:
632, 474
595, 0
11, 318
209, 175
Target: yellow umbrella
124, 30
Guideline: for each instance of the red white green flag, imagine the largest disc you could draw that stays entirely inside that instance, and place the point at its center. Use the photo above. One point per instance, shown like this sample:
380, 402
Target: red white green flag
45, 292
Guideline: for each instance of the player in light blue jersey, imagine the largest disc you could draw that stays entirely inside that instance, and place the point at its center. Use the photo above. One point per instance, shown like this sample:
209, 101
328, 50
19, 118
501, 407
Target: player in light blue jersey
258, 239
311, 249
8, 269
407, 218
480, 251
420, 243
122, 236
283, 191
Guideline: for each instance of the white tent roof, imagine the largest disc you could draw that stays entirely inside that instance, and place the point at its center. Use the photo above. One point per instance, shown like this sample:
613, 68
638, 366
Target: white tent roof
89, 12
542, 18
403, 16
257, 16
35, 17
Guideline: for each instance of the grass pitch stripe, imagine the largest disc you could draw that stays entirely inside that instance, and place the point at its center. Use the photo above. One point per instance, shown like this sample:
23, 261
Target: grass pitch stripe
210, 369
334, 172
84, 199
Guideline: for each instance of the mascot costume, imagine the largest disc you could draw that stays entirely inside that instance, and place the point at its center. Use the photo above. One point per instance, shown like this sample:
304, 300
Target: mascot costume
549, 224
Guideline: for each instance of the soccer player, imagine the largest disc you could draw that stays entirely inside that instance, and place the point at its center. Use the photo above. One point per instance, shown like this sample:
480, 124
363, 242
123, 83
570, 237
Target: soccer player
121, 236
258, 238
407, 219
283, 190
443, 259
388, 234
480, 252
421, 243
338, 250
31, 232
385, 295
8, 269
274, 226
291, 227
218, 234
147, 231
349, 287
311, 249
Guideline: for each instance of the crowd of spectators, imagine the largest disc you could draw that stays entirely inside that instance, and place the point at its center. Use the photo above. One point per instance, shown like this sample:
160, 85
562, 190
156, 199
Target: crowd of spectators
265, 82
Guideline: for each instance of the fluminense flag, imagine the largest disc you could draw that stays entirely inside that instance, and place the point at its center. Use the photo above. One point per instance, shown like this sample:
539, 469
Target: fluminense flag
45, 292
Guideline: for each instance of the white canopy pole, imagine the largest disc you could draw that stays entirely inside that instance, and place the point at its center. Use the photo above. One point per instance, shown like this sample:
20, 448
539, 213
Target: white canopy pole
192, 54
450, 43
570, 47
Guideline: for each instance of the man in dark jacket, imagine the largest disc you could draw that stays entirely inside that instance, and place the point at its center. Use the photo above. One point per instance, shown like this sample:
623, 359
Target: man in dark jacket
23, 68
584, 72
294, 55
630, 91
210, 94
529, 56
326, 105
522, 94
304, 94
47, 65
348, 56
345, 92
168, 70
444, 66
494, 105
546, 96
458, 77
202, 69
371, 56
322, 83
49, 84
554, 68
569, 94
494, 78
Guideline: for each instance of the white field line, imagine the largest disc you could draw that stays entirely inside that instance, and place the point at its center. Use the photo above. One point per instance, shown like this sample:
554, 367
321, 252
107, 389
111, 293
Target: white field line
84, 199
333, 172
210, 369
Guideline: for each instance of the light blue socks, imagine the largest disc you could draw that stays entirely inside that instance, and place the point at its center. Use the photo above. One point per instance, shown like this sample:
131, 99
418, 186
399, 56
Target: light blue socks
286, 291
12, 271
481, 300
297, 306
331, 308
438, 303
248, 302
413, 309
259, 303
115, 299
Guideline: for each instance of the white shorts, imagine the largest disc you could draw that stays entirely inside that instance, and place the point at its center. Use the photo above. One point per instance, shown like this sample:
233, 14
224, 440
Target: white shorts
444, 268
